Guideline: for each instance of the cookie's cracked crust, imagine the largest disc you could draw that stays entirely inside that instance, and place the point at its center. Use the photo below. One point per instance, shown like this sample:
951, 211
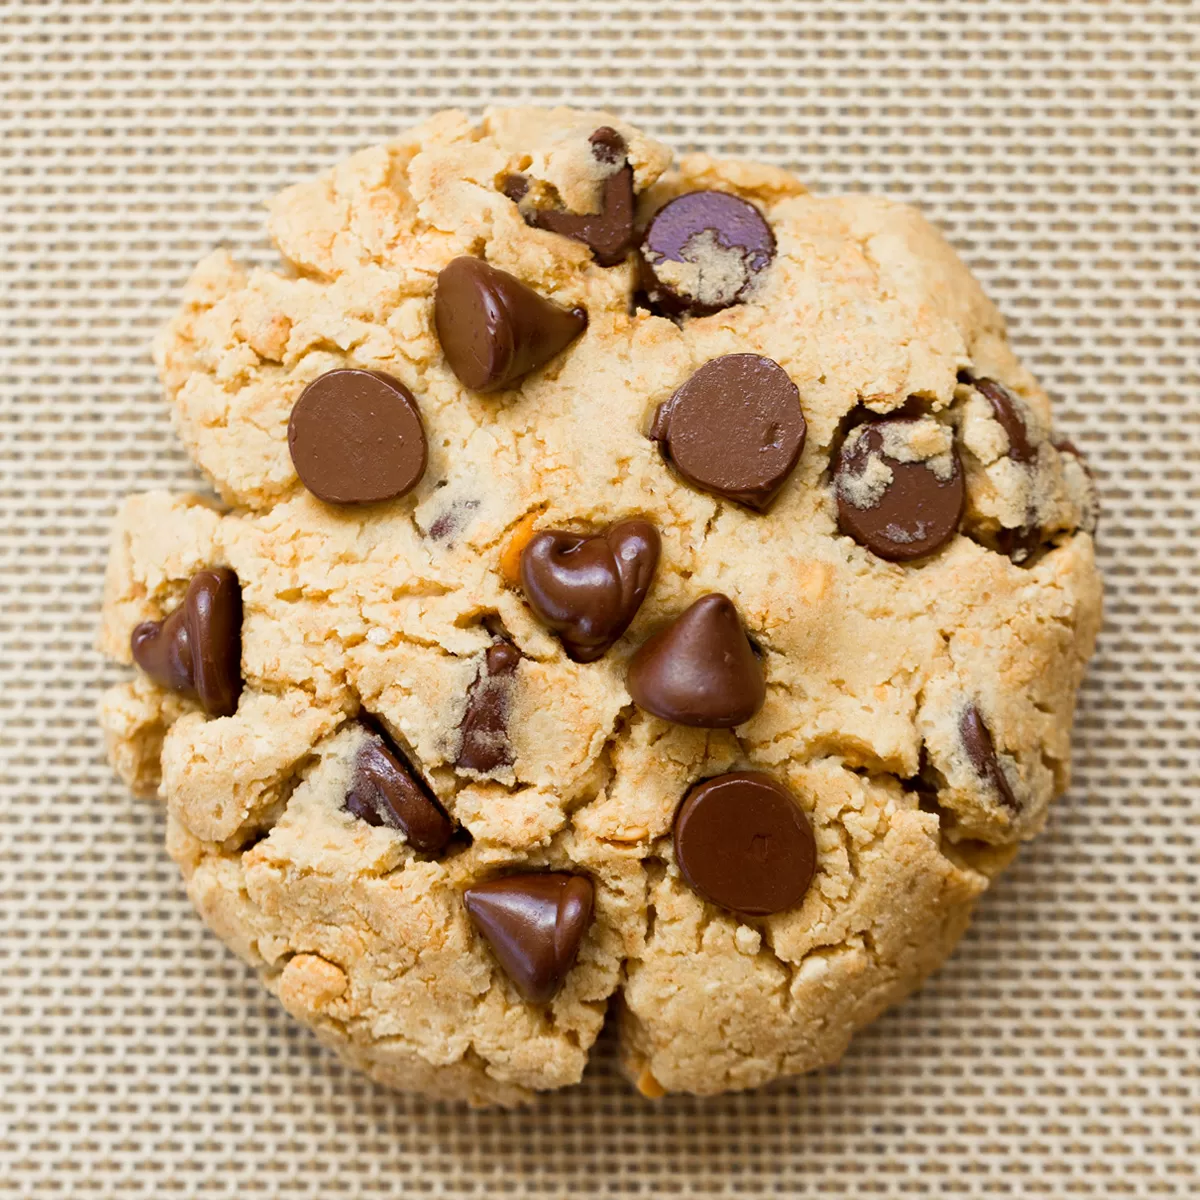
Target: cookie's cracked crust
383, 609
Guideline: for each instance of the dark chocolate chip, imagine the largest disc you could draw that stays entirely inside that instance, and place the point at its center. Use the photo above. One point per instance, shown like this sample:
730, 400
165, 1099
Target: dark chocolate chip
609, 233
197, 649
735, 428
699, 670
534, 925
385, 790
493, 329
484, 727
743, 842
703, 252
356, 437
1019, 543
897, 510
981, 750
587, 589
515, 187
1006, 408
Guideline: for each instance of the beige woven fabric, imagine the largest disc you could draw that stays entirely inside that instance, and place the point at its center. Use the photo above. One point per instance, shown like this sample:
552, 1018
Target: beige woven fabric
1056, 143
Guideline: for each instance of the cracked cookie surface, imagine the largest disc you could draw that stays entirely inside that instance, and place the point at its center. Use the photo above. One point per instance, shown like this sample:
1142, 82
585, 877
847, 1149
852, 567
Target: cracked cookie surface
391, 611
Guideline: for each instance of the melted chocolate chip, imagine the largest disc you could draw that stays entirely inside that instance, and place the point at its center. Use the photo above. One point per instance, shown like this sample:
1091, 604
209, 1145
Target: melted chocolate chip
587, 589
534, 925
735, 429
704, 251
899, 510
484, 728
385, 790
197, 649
981, 750
700, 670
356, 437
743, 843
608, 233
493, 329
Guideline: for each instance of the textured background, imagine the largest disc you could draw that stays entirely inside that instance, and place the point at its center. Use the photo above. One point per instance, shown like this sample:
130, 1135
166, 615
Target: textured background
1054, 140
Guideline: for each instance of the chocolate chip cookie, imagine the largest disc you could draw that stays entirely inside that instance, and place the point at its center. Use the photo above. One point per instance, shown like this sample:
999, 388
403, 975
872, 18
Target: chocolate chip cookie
626, 578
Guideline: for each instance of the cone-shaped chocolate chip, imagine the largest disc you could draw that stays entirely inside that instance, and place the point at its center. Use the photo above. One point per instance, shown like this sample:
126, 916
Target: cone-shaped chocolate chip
704, 251
493, 329
743, 842
609, 233
384, 790
700, 670
534, 925
735, 428
484, 729
898, 508
981, 750
356, 437
587, 589
197, 649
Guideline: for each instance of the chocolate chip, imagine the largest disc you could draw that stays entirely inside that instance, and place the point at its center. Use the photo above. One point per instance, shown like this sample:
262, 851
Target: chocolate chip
735, 428
534, 925
197, 649
484, 727
515, 187
609, 233
981, 750
700, 670
385, 790
587, 589
1007, 410
356, 437
493, 329
743, 842
703, 252
891, 498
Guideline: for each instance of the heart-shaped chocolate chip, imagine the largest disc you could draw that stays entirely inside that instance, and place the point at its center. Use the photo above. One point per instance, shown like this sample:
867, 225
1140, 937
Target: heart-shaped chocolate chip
588, 589
196, 650
700, 670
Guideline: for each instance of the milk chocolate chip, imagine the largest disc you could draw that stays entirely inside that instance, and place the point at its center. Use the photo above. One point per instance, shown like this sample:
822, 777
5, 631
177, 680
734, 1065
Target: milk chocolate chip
609, 233
493, 329
899, 487
743, 842
700, 670
356, 437
484, 729
981, 750
587, 589
385, 790
704, 251
534, 924
197, 649
735, 428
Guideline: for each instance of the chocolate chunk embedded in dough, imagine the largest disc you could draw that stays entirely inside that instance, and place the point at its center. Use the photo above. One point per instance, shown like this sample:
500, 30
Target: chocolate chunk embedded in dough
484, 742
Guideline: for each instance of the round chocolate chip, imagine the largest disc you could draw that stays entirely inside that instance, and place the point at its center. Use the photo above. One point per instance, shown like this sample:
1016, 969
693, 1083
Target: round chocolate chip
534, 924
735, 428
892, 497
356, 437
196, 650
703, 252
493, 329
587, 589
700, 670
1008, 411
743, 842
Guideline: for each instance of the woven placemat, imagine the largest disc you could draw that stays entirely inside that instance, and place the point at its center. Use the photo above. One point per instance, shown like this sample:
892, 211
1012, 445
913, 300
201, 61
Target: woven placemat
1056, 143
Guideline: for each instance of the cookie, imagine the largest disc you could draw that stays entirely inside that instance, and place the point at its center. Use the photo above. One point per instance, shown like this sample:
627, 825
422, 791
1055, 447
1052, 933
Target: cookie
627, 578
